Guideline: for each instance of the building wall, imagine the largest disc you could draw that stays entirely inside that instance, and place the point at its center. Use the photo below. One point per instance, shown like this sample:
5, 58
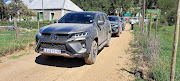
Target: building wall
47, 14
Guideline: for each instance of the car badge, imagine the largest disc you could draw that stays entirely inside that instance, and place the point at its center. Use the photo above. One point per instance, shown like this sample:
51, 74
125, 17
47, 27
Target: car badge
53, 37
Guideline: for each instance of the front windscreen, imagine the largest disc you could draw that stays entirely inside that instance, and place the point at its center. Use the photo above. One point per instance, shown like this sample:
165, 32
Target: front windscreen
85, 18
115, 19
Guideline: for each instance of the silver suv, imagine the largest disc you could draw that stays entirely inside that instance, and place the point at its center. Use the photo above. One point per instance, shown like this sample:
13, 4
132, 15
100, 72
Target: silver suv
77, 34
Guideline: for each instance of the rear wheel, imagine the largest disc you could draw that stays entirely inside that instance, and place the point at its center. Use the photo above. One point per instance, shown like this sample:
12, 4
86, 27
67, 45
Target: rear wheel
118, 34
93, 54
108, 40
123, 29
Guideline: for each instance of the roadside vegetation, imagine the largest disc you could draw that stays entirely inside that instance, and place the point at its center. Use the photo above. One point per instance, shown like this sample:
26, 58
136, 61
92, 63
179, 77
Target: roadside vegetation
26, 24
9, 44
18, 56
156, 54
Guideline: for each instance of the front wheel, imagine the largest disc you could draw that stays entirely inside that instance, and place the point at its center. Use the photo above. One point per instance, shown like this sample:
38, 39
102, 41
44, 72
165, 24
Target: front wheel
93, 54
123, 29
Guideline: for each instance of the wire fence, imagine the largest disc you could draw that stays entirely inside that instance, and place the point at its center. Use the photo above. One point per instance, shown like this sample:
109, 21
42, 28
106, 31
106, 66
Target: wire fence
26, 31
157, 52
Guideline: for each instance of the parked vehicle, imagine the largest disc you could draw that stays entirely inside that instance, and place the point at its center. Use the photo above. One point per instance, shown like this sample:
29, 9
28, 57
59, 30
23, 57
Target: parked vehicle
135, 19
77, 34
123, 20
116, 25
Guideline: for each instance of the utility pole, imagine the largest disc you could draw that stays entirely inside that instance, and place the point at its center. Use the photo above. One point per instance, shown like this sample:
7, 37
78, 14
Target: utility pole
43, 10
143, 14
176, 36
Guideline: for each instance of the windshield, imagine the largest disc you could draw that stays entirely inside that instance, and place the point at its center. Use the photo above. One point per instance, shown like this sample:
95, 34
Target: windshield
85, 18
135, 18
113, 19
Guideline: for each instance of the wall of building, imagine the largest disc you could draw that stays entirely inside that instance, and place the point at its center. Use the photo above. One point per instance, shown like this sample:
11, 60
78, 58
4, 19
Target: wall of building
47, 14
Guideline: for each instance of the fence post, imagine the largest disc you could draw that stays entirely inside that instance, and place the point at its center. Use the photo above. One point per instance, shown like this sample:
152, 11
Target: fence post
146, 23
176, 36
16, 28
150, 23
143, 15
156, 24
139, 21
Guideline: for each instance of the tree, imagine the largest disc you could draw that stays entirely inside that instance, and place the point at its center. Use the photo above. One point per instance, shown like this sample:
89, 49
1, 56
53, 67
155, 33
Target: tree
2, 9
168, 9
17, 8
106, 6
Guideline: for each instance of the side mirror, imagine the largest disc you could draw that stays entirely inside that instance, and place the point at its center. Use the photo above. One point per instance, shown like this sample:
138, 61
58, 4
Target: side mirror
100, 22
55, 21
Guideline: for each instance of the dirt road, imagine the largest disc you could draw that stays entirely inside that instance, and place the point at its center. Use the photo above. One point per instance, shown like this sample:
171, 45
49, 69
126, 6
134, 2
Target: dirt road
108, 65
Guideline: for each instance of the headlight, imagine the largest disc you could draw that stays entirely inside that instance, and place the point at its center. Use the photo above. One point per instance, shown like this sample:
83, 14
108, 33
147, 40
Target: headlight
114, 25
83, 34
39, 34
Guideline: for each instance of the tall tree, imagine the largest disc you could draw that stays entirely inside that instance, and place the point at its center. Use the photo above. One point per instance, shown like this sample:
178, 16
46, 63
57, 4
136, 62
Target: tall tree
2, 9
17, 8
168, 9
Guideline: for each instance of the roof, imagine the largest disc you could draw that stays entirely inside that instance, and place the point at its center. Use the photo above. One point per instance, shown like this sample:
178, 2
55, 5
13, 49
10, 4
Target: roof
52, 4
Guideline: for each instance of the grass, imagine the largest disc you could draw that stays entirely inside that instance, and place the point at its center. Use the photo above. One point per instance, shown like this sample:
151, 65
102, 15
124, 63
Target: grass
0, 61
9, 43
161, 65
166, 37
135, 51
139, 79
18, 56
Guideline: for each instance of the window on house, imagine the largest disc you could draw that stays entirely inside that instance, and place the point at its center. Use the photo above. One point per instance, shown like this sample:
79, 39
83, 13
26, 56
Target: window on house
52, 16
39, 15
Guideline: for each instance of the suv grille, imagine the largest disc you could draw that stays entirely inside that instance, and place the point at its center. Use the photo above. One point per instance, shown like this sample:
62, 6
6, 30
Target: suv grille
53, 46
58, 35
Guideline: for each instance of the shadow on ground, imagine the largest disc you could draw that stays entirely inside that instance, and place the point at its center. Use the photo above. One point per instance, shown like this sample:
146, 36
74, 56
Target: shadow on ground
60, 62
136, 73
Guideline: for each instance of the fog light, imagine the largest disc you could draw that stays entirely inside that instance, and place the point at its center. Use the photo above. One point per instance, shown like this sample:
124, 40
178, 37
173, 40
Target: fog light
83, 45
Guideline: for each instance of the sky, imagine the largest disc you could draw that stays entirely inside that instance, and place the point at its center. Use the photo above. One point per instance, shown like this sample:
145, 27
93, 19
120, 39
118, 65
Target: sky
6, 0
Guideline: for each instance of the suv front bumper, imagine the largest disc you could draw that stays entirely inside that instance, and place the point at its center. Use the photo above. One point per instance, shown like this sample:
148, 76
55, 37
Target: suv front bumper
69, 47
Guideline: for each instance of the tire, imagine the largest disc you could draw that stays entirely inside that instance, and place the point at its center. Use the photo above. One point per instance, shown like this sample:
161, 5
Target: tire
123, 29
93, 54
45, 56
118, 34
108, 40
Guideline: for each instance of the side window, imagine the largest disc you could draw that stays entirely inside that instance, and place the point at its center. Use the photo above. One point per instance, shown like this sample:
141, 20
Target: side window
105, 16
102, 17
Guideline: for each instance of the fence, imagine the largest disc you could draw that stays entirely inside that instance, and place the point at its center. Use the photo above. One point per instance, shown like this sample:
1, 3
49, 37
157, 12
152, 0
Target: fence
157, 52
27, 31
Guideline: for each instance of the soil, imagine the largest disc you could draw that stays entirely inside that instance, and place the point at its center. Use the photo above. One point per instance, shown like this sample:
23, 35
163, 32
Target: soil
108, 67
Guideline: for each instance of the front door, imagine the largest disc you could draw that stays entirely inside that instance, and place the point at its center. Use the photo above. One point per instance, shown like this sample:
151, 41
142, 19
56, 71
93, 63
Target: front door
101, 29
